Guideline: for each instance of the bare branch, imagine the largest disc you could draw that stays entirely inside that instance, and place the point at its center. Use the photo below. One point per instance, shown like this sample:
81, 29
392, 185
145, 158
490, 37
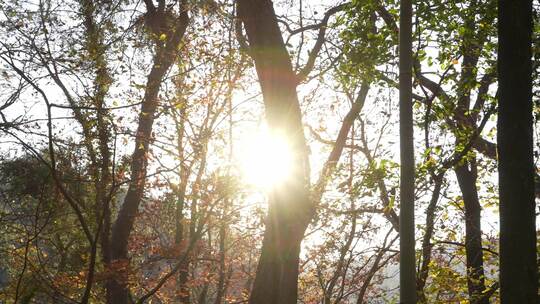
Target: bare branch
322, 26
341, 139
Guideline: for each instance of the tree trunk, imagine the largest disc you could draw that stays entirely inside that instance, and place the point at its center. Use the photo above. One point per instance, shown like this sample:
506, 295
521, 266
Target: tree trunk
290, 209
427, 247
220, 288
473, 233
518, 256
117, 289
466, 171
126, 216
96, 50
407, 275
182, 290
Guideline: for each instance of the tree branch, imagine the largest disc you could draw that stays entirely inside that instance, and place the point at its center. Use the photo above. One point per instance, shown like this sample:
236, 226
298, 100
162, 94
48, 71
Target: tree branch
322, 26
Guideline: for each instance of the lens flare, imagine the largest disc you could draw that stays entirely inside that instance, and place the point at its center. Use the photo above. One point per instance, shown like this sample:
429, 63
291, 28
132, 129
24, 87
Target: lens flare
265, 159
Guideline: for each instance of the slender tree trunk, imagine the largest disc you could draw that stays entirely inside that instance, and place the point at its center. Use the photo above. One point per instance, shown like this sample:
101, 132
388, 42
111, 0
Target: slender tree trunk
427, 247
518, 256
290, 209
466, 171
117, 288
377, 265
96, 51
407, 275
204, 294
183, 295
122, 228
473, 233
182, 290
367, 281
220, 288
341, 263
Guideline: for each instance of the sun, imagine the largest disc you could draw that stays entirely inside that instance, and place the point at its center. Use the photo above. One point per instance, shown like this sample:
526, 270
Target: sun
265, 158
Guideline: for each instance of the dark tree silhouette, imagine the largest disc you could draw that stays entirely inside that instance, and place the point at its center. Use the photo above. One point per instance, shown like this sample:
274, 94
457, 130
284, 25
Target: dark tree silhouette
519, 270
407, 276
158, 20
290, 209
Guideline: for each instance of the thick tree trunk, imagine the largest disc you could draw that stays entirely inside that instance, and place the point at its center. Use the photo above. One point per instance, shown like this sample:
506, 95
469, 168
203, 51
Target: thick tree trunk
407, 275
290, 208
518, 256
473, 233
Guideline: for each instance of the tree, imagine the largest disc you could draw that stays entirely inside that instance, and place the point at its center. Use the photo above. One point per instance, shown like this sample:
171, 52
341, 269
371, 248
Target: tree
291, 205
290, 208
463, 38
167, 29
518, 256
99, 99
407, 276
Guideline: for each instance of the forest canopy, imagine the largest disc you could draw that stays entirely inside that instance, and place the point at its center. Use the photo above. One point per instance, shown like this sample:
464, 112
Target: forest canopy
258, 151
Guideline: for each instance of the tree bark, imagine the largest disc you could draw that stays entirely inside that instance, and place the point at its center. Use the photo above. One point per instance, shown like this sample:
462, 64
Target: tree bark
182, 290
473, 233
117, 289
518, 256
427, 246
466, 171
407, 275
223, 231
290, 208
96, 51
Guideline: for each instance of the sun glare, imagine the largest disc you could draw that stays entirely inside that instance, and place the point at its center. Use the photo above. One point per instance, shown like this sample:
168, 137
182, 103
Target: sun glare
265, 158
